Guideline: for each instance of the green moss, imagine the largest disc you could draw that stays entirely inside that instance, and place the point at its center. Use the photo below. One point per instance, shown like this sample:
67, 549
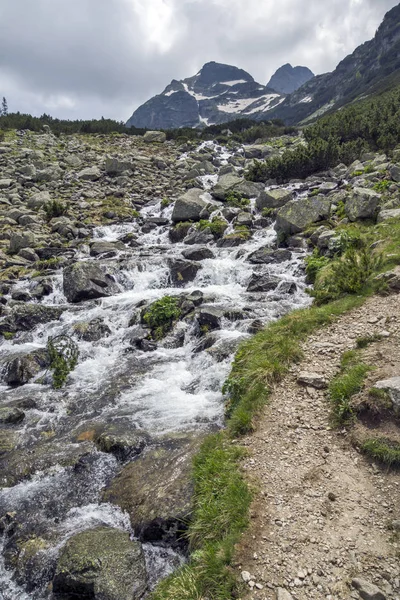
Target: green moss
217, 225
8, 335
161, 315
236, 200
382, 186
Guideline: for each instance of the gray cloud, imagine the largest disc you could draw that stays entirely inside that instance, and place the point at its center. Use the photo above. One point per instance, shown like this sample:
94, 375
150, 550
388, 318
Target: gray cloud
87, 58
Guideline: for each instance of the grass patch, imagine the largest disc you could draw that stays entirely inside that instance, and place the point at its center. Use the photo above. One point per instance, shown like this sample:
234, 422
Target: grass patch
345, 385
366, 340
221, 504
217, 226
383, 450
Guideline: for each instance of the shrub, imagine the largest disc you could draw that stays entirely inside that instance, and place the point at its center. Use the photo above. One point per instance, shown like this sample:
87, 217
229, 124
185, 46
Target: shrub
235, 199
63, 353
314, 264
160, 316
54, 209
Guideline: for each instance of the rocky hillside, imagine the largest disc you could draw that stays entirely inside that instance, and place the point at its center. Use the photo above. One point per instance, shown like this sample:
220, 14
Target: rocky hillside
288, 79
217, 93
372, 67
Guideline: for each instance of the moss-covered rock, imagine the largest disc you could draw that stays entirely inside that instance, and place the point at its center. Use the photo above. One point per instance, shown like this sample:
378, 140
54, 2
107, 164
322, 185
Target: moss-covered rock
297, 215
101, 564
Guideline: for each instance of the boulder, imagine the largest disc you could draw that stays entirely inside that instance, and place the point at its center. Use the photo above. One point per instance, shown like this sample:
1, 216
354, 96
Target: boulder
23, 368
199, 237
108, 248
274, 199
18, 241
179, 232
392, 386
11, 415
155, 136
367, 591
310, 379
156, 491
244, 218
190, 207
116, 166
297, 215
86, 281
249, 189
362, 204
384, 215
266, 255
38, 200
198, 253
262, 282
5, 183
25, 317
89, 174
124, 442
91, 331
183, 271
391, 279
225, 184
395, 173
210, 317
257, 151
101, 564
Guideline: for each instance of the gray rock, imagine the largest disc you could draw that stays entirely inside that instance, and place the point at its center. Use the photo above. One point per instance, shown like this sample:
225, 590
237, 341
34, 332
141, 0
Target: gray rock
274, 199
73, 161
210, 317
392, 386
89, 174
266, 255
391, 279
297, 215
262, 282
155, 136
249, 189
109, 248
102, 564
25, 317
312, 380
368, 591
282, 594
116, 166
395, 173
198, 253
325, 238
362, 204
25, 367
203, 236
384, 215
91, 331
123, 442
190, 207
257, 151
21, 240
5, 183
225, 184
11, 415
183, 271
86, 281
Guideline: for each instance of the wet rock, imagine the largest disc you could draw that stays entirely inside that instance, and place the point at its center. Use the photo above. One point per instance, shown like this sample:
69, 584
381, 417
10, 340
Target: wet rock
146, 345
156, 491
203, 236
232, 240
21, 240
122, 441
190, 207
25, 317
41, 288
106, 248
367, 590
91, 331
266, 255
198, 253
11, 415
274, 199
23, 368
210, 317
8, 442
244, 218
262, 282
183, 271
178, 233
101, 564
362, 204
155, 136
86, 281
312, 380
297, 215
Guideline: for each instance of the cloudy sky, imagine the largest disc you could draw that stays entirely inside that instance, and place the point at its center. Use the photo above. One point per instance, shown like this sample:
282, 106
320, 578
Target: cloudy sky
88, 58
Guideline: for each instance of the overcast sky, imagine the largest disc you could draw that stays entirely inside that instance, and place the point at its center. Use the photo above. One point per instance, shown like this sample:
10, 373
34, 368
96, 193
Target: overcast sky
93, 58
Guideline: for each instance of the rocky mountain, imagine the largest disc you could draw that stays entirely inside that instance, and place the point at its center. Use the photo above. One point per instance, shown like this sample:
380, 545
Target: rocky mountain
217, 93
372, 67
288, 79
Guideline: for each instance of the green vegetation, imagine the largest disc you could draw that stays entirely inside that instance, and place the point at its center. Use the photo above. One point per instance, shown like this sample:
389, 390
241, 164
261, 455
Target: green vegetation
166, 202
63, 353
236, 200
161, 315
382, 186
217, 226
314, 263
366, 340
268, 212
345, 385
8, 335
339, 137
54, 209
48, 264
383, 450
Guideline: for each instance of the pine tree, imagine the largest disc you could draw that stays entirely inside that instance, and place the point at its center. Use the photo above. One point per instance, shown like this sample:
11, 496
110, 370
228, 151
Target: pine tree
4, 107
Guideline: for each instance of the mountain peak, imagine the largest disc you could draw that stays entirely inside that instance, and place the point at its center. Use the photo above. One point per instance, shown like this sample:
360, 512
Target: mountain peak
213, 72
288, 79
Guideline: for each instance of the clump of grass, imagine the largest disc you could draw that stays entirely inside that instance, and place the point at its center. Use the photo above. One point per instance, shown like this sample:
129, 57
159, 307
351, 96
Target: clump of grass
345, 385
268, 212
217, 225
54, 209
48, 264
221, 504
161, 315
235, 199
382, 186
314, 263
383, 450
366, 340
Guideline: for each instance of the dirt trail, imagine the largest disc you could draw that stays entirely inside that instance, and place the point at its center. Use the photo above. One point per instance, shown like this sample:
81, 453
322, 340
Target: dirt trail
321, 511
